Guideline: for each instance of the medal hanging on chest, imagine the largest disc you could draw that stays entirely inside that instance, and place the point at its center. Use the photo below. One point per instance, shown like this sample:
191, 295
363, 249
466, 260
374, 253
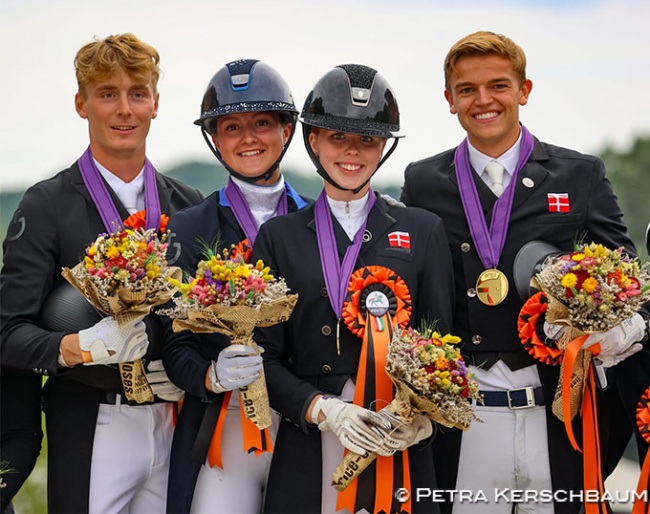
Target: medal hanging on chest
492, 284
492, 287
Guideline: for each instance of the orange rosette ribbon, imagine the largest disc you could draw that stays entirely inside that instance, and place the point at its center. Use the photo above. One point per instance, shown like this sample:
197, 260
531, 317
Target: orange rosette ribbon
643, 424
377, 301
366, 281
530, 325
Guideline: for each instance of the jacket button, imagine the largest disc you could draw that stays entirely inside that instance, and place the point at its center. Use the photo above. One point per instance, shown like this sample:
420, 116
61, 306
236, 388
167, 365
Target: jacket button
326, 330
323, 292
471, 292
327, 368
476, 339
465, 247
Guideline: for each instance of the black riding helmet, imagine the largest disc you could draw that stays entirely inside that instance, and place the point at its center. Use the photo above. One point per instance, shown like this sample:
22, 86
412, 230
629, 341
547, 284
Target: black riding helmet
353, 99
246, 85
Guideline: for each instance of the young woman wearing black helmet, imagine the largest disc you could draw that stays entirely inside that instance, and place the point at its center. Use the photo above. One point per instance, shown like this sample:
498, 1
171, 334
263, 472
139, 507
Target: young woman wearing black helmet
319, 368
247, 119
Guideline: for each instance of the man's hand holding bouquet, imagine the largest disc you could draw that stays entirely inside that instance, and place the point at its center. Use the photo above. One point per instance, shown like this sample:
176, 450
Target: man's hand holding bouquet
124, 275
587, 310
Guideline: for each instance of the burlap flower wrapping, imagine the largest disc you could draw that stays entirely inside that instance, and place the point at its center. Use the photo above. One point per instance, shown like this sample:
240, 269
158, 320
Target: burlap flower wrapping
126, 306
238, 322
406, 405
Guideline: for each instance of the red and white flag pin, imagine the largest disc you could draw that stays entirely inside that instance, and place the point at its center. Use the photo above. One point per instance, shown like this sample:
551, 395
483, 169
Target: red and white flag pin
399, 239
558, 202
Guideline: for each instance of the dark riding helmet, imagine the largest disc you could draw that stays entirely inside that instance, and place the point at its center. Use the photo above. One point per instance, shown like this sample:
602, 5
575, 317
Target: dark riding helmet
246, 85
353, 99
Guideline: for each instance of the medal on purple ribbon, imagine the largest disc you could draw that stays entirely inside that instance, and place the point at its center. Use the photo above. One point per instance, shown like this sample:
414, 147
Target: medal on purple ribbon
492, 284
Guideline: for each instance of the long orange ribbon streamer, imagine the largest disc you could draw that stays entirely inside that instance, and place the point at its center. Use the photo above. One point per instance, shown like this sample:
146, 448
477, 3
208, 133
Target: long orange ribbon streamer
380, 330
592, 468
254, 439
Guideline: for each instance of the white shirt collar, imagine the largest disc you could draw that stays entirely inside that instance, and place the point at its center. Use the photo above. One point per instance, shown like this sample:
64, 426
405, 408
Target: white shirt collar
508, 160
262, 199
350, 214
131, 194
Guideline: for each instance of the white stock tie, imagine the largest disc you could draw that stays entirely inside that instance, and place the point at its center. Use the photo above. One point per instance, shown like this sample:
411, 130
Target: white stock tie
495, 171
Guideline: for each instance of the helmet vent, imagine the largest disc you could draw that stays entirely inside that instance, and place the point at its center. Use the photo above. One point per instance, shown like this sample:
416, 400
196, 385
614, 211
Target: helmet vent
240, 73
361, 79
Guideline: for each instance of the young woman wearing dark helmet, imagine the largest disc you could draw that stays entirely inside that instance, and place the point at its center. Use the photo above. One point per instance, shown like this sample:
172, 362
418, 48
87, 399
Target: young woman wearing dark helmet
247, 119
320, 374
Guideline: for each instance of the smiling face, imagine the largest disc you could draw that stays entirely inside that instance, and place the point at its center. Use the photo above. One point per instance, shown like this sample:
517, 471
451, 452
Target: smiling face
119, 110
486, 93
251, 142
348, 159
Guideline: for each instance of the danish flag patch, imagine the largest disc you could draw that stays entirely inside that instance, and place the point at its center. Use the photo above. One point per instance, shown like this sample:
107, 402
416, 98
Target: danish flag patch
399, 239
558, 202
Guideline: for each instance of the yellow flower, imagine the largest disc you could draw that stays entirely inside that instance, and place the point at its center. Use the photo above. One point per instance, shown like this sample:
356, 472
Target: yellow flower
441, 363
448, 338
242, 271
112, 252
590, 285
569, 280
577, 257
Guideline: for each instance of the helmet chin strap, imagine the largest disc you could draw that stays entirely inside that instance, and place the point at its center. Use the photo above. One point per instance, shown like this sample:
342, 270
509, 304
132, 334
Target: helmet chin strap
321, 171
266, 175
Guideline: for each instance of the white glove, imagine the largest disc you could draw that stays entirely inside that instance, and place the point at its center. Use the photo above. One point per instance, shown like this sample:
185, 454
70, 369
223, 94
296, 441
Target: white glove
160, 384
109, 344
358, 429
620, 342
391, 201
237, 366
403, 433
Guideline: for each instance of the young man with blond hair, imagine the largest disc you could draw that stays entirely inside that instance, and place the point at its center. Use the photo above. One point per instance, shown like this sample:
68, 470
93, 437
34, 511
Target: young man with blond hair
106, 452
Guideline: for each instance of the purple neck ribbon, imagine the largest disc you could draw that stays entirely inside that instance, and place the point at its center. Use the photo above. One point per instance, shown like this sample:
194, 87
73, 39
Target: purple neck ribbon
102, 198
337, 276
243, 213
489, 244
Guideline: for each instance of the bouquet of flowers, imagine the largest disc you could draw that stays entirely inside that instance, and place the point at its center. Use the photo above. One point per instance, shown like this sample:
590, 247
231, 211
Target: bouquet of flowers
430, 378
429, 371
125, 274
231, 296
593, 288
589, 290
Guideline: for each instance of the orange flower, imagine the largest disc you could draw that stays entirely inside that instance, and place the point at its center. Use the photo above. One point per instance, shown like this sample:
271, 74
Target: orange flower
139, 220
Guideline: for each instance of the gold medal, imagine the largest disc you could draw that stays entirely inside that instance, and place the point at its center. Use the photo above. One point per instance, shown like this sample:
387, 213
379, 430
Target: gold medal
491, 287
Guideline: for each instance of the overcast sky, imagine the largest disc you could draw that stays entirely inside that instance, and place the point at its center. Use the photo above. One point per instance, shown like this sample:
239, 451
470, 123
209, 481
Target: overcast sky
589, 62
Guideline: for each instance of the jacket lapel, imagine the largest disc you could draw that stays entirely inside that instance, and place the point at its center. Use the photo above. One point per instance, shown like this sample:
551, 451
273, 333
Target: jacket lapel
379, 223
531, 176
164, 194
